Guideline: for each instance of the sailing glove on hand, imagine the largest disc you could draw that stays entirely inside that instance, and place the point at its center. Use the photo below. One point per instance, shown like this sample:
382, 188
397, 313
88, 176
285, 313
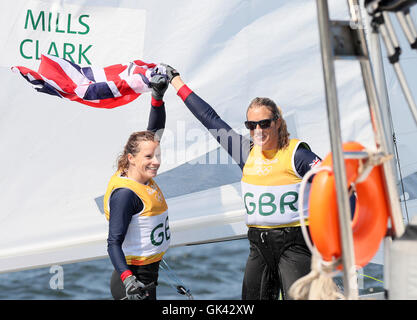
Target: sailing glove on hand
159, 85
170, 72
134, 288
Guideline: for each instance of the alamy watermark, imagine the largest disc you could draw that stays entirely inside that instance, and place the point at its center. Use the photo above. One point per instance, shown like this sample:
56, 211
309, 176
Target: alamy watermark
188, 145
56, 282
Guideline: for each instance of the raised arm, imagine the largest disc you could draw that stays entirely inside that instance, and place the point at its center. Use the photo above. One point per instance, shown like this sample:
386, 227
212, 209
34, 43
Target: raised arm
235, 144
157, 115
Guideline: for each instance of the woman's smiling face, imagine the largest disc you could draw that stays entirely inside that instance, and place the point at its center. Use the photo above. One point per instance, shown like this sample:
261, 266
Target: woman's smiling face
145, 164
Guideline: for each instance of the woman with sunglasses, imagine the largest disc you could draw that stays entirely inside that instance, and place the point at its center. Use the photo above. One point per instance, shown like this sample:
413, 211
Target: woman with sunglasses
272, 168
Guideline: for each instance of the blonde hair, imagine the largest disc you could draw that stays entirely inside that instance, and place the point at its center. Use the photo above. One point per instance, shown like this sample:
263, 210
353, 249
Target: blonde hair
133, 147
283, 134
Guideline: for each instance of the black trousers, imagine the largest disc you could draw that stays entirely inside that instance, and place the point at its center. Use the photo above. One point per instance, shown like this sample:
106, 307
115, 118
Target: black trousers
146, 274
277, 258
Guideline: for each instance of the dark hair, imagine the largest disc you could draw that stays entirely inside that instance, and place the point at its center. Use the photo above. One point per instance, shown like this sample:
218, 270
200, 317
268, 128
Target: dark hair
283, 134
133, 147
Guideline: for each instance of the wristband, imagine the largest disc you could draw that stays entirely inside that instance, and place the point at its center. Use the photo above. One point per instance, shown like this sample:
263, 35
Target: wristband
125, 274
156, 103
184, 92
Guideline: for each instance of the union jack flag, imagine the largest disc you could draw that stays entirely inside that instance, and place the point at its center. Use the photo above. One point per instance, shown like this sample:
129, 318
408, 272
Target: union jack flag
315, 162
108, 87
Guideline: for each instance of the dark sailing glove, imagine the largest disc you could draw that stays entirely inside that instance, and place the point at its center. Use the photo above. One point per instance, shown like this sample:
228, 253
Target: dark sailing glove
170, 71
159, 85
134, 288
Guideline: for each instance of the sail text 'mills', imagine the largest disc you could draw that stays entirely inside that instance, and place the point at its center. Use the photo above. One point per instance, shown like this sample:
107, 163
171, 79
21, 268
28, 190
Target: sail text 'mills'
58, 23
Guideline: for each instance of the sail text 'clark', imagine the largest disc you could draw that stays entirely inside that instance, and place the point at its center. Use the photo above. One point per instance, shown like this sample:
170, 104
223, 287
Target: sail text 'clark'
65, 27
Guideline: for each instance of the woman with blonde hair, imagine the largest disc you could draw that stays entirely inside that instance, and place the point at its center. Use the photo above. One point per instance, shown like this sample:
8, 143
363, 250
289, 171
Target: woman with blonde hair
272, 168
136, 209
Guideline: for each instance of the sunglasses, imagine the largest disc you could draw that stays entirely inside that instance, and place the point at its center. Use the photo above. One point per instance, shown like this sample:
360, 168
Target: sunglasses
263, 124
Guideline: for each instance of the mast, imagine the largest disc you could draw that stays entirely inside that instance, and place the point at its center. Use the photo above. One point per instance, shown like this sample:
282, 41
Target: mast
348, 256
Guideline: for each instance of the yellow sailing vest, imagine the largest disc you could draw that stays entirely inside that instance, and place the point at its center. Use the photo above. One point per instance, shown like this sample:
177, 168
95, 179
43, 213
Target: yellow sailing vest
148, 236
270, 187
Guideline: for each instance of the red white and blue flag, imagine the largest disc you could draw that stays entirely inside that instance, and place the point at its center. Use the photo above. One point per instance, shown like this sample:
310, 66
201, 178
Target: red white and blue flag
107, 87
314, 163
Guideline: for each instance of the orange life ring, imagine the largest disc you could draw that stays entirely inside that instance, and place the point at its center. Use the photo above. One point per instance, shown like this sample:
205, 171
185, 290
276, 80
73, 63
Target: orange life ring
369, 224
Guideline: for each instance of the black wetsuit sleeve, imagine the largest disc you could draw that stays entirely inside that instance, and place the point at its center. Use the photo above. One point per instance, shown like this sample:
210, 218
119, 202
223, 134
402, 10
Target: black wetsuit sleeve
237, 146
305, 159
124, 203
157, 118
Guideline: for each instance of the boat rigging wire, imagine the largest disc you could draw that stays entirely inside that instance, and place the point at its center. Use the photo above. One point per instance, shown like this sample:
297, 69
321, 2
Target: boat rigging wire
397, 155
401, 176
365, 275
174, 281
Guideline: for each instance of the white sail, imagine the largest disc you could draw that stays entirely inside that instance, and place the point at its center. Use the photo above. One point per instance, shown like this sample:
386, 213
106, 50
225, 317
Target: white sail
57, 155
